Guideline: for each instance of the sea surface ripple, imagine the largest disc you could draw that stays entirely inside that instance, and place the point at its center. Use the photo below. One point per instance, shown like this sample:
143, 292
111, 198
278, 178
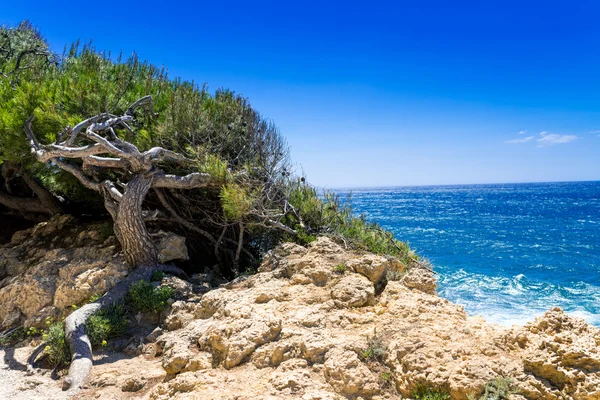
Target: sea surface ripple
508, 252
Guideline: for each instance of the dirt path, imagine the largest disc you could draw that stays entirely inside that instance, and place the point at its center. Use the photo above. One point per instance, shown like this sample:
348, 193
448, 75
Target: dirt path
17, 384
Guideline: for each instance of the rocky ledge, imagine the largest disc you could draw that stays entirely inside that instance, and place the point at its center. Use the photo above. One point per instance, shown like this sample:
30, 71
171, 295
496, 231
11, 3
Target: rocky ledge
55, 265
324, 322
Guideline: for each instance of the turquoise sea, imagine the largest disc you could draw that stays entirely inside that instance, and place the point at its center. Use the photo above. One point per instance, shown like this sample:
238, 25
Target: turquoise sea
508, 252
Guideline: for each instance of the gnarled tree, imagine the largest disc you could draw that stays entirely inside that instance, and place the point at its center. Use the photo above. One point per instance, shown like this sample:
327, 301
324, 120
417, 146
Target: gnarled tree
93, 152
104, 154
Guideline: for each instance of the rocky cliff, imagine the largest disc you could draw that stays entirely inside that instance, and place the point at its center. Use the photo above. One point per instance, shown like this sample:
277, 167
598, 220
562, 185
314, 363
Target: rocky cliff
323, 322
47, 269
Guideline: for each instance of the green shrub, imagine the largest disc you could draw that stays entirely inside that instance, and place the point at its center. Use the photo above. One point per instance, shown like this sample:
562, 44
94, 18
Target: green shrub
235, 201
33, 331
325, 214
499, 388
426, 392
144, 297
386, 380
340, 268
106, 324
375, 350
157, 276
57, 351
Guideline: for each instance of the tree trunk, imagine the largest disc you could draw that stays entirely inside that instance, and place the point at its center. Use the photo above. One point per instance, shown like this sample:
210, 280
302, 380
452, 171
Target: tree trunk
130, 228
45, 196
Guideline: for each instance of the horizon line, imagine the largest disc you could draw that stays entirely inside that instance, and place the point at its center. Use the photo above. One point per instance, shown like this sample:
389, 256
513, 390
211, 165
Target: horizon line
453, 184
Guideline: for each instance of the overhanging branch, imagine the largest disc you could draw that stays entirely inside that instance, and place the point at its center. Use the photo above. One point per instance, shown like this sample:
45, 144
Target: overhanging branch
190, 181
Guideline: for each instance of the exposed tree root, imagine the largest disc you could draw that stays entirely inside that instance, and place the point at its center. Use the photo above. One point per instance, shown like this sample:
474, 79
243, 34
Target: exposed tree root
79, 343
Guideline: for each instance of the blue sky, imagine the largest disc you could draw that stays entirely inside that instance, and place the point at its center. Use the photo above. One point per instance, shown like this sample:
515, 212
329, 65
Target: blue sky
380, 93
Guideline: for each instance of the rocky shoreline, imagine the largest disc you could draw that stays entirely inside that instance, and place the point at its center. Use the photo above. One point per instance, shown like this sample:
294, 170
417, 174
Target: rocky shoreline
315, 322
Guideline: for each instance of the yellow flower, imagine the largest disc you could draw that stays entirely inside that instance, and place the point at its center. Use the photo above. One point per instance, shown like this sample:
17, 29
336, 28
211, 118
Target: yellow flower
104, 343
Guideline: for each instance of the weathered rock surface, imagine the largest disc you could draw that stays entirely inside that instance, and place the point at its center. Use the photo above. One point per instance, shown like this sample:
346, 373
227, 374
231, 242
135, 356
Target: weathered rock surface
299, 329
49, 268
304, 328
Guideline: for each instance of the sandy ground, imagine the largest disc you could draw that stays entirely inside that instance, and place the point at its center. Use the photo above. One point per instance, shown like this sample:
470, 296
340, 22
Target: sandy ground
17, 384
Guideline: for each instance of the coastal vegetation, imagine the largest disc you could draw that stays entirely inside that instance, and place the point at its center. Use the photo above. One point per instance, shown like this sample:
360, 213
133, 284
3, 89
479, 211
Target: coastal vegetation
115, 139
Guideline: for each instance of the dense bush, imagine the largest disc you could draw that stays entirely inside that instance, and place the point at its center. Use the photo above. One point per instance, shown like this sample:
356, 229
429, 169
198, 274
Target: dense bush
231, 224
106, 324
426, 392
145, 297
499, 388
325, 213
57, 351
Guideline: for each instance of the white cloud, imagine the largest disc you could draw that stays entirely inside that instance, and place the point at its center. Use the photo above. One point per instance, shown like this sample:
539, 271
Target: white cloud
515, 141
596, 131
543, 133
548, 139
522, 132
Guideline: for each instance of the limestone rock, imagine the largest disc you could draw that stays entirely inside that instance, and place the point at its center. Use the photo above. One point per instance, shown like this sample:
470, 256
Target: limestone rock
134, 384
348, 375
170, 247
420, 278
53, 266
296, 330
57, 264
371, 266
237, 340
353, 291
299, 330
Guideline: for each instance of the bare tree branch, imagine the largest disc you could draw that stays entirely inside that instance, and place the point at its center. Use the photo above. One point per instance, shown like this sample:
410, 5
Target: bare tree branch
106, 162
160, 154
47, 152
163, 200
79, 127
190, 181
141, 102
78, 173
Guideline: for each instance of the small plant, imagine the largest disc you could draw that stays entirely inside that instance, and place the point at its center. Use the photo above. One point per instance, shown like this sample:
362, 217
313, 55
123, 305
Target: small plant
304, 238
33, 331
499, 388
105, 230
94, 297
57, 351
375, 349
386, 380
157, 276
386, 376
394, 275
426, 392
12, 336
144, 297
106, 324
340, 268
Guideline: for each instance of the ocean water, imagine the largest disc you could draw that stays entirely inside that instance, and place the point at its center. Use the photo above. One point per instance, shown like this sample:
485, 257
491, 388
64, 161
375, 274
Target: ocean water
508, 252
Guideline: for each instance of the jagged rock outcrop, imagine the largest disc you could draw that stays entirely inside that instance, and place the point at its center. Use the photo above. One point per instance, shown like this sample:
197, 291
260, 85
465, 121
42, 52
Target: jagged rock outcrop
49, 268
323, 322
302, 328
